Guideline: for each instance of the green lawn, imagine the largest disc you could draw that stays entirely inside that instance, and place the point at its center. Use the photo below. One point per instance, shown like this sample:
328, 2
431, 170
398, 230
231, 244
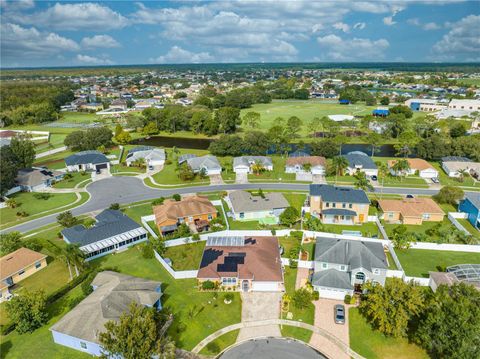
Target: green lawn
468, 226
470, 81
185, 257
288, 242
391, 262
221, 343
295, 199
77, 177
368, 229
374, 345
418, 262
277, 174
28, 203
136, 211
422, 228
305, 110
445, 180
409, 181
340, 179
55, 161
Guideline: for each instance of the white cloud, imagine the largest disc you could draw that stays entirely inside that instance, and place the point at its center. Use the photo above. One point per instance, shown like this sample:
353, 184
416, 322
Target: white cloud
100, 41
389, 19
91, 60
341, 26
359, 26
177, 55
462, 41
337, 48
24, 43
431, 26
75, 16
17, 5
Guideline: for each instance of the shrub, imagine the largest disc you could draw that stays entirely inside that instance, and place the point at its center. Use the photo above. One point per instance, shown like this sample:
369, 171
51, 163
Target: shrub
315, 295
347, 299
44, 196
293, 264
158, 201
115, 206
229, 297
301, 298
168, 162
177, 197
195, 237
208, 285
147, 251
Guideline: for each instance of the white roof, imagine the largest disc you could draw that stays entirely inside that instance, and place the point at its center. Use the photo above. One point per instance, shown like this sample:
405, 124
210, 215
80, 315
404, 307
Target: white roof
338, 118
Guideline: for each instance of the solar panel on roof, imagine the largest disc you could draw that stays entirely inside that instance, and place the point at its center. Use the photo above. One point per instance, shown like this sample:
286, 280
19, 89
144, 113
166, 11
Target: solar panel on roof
231, 241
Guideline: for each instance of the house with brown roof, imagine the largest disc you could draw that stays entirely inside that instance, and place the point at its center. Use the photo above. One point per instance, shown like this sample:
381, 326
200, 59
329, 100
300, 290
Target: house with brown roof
18, 265
242, 264
315, 165
417, 165
195, 211
411, 210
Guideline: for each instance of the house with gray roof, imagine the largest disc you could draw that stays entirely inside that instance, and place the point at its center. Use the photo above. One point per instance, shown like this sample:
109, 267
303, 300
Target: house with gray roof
87, 161
342, 266
35, 179
208, 163
338, 205
244, 164
112, 295
151, 155
246, 207
360, 162
111, 232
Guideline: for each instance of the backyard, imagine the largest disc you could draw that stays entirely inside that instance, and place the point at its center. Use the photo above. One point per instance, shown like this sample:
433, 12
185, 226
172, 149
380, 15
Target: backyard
418, 262
185, 257
368, 229
432, 231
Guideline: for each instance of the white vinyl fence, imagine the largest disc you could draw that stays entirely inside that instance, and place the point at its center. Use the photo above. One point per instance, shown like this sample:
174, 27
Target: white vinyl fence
452, 216
176, 274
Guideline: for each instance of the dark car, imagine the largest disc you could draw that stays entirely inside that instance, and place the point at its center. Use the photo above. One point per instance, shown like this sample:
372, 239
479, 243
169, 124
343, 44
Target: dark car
409, 196
435, 180
339, 314
374, 178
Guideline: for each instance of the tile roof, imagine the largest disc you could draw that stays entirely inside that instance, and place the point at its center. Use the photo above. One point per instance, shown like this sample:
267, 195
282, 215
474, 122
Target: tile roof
313, 160
113, 294
258, 259
86, 157
415, 164
410, 207
18, 260
243, 201
172, 210
331, 193
354, 253
360, 160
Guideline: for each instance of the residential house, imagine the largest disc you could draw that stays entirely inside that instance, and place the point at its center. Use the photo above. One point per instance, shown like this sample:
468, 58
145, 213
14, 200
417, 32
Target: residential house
112, 295
417, 165
360, 162
315, 165
208, 163
87, 161
471, 206
18, 265
460, 273
244, 164
35, 179
119, 104
247, 264
91, 106
153, 156
111, 232
465, 104
454, 165
338, 205
195, 211
267, 208
342, 266
411, 210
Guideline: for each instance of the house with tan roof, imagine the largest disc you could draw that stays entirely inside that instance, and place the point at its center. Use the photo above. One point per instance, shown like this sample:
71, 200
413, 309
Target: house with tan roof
242, 264
417, 165
315, 165
411, 210
195, 211
18, 265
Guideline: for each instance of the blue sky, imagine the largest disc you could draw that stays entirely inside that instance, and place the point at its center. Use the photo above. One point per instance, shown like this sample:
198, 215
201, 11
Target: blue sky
48, 33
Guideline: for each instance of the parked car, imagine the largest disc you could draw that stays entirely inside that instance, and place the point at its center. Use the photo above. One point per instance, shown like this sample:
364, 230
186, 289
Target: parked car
150, 168
409, 196
435, 180
374, 178
97, 171
339, 314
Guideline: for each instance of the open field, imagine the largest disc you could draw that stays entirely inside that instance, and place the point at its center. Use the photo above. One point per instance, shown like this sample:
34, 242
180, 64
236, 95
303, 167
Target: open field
432, 236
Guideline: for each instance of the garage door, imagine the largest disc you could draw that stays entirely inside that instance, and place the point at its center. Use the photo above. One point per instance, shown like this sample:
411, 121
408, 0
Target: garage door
101, 166
331, 293
265, 286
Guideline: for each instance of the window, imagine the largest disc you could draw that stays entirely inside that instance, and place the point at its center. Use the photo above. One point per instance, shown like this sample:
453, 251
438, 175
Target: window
83, 345
210, 217
360, 276
327, 204
390, 214
426, 216
376, 271
334, 205
190, 219
344, 205
324, 265
38, 265
343, 268
229, 281
242, 215
21, 272
350, 205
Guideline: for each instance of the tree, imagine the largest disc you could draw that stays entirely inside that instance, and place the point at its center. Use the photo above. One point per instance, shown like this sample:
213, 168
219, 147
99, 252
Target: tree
256, 143
302, 298
203, 101
199, 120
449, 194
10, 242
449, 327
375, 140
27, 310
139, 334
384, 101
24, 151
392, 307
294, 124
462, 173
401, 168
457, 130
402, 109
289, 216
227, 145
251, 119
327, 148
401, 238
150, 129
362, 182
227, 118
74, 255
433, 147
66, 219
406, 142
8, 169
277, 136
123, 137
340, 164
257, 167
91, 139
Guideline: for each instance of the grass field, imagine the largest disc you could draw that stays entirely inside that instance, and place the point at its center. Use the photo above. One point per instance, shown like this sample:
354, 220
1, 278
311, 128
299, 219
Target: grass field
468, 226
305, 110
368, 229
423, 228
374, 345
277, 174
475, 82
185, 257
221, 343
418, 262
77, 177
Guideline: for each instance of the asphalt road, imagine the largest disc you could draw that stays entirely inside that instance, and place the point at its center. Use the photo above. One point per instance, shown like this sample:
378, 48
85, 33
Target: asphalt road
272, 349
124, 190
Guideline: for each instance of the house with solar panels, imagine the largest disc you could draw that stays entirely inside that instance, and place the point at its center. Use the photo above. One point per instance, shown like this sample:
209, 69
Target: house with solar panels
111, 232
247, 264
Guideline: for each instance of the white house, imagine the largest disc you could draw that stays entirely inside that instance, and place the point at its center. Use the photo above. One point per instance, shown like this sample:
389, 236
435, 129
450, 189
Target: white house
360, 162
207, 163
453, 165
417, 165
87, 161
244, 164
245, 206
468, 105
153, 156
317, 165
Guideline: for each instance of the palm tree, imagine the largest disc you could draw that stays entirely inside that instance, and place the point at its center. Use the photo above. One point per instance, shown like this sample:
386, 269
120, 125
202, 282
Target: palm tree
306, 167
340, 163
257, 167
401, 167
383, 171
362, 182
76, 257
463, 173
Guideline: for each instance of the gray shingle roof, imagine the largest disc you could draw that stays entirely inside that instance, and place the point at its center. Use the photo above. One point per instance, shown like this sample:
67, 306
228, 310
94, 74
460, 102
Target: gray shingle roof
455, 159
332, 278
84, 157
339, 212
243, 201
36, 176
146, 152
113, 294
474, 198
248, 160
361, 160
354, 253
208, 161
331, 193
109, 223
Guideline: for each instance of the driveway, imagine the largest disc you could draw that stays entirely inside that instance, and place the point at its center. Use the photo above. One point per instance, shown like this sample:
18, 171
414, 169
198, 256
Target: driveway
241, 178
324, 319
260, 306
302, 277
216, 179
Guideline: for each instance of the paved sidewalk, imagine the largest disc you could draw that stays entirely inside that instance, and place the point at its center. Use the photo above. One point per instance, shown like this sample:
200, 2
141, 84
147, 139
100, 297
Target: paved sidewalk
302, 277
50, 152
